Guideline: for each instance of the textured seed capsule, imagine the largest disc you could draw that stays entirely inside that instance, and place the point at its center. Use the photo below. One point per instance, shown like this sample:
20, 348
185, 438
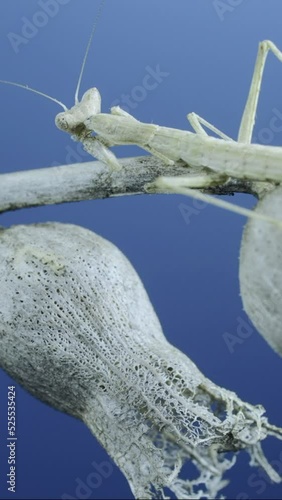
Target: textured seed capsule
78, 331
261, 270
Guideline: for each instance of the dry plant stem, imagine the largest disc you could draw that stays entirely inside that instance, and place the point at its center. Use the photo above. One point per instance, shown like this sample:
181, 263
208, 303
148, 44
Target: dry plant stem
93, 180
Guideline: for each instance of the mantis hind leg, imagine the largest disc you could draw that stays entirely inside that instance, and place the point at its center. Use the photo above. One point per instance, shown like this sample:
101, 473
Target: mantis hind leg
249, 114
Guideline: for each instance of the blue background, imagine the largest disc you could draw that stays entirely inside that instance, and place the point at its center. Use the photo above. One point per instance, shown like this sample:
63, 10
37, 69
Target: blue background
189, 270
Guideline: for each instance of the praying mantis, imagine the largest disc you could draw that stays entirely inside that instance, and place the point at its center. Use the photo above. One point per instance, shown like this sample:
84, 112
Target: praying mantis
222, 156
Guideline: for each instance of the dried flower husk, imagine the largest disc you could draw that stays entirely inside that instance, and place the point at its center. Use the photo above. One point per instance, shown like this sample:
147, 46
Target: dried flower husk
78, 331
261, 270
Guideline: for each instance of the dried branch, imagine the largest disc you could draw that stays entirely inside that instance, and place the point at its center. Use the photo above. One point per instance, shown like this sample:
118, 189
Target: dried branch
91, 180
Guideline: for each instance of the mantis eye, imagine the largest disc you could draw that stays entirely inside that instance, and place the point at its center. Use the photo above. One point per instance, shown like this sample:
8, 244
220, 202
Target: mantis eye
92, 99
64, 121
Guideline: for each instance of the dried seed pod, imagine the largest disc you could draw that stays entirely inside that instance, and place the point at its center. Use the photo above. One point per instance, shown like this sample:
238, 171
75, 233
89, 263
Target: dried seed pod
79, 332
261, 270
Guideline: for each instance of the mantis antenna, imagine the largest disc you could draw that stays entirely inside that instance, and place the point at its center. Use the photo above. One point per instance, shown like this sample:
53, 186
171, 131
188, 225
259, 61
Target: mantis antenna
100, 10
26, 87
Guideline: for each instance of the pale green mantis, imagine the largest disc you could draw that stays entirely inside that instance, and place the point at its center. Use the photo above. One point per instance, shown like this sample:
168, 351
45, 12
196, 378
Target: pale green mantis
223, 156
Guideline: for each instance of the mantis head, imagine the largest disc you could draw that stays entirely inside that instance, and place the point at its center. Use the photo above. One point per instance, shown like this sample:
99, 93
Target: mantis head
73, 120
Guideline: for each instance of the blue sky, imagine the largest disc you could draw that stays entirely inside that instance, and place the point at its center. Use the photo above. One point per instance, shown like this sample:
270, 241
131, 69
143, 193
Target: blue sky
189, 269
